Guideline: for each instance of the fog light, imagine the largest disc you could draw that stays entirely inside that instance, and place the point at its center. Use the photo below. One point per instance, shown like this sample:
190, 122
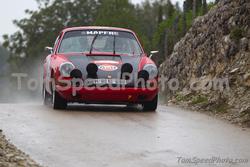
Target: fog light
126, 71
144, 75
76, 73
92, 70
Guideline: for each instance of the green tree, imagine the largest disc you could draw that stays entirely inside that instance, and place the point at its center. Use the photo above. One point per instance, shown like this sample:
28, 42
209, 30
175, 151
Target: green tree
120, 13
42, 27
194, 8
3, 63
184, 18
189, 4
170, 9
160, 14
204, 7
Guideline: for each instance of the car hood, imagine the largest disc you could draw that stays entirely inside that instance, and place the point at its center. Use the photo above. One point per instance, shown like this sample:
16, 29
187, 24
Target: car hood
113, 62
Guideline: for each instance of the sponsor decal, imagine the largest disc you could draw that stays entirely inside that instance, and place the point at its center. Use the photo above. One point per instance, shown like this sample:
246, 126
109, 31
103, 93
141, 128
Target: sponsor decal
106, 62
95, 32
107, 67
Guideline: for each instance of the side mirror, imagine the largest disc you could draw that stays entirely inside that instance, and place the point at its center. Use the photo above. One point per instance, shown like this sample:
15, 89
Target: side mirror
49, 49
152, 53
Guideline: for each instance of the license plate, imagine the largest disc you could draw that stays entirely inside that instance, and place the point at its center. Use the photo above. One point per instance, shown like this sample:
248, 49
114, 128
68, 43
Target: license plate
107, 81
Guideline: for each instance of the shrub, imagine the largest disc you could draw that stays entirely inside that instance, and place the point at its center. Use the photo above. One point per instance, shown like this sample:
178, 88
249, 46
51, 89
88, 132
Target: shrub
199, 99
236, 33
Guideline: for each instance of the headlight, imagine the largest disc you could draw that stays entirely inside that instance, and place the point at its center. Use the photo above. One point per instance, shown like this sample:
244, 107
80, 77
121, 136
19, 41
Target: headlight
66, 68
152, 70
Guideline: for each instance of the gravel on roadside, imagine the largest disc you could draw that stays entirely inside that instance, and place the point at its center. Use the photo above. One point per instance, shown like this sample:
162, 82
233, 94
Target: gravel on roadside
10, 156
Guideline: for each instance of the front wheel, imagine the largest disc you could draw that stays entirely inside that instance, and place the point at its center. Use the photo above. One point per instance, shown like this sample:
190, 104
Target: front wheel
151, 105
58, 103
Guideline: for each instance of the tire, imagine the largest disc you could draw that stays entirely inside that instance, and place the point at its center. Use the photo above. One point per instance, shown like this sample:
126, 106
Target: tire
151, 105
58, 103
46, 97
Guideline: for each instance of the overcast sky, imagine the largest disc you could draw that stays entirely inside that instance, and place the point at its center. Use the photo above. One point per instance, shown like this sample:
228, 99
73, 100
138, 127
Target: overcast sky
14, 9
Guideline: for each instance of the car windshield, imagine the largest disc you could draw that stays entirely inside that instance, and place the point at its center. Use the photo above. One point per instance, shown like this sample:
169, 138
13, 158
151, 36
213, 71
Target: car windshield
90, 41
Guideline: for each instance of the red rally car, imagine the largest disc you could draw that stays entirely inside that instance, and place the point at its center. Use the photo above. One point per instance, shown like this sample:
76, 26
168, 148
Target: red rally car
99, 65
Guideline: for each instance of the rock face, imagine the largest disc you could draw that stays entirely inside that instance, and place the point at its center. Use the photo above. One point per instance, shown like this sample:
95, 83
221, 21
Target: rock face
212, 62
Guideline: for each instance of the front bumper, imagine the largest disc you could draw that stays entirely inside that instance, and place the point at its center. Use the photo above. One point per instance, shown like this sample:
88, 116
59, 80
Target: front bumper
107, 95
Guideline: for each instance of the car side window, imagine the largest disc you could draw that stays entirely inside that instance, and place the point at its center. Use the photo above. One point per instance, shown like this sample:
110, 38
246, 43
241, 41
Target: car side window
56, 42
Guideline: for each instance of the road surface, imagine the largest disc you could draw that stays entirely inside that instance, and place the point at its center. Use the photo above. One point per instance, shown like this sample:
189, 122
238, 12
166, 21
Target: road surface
113, 136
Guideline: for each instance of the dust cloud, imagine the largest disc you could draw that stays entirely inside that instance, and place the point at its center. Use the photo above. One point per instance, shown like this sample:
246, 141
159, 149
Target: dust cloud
23, 85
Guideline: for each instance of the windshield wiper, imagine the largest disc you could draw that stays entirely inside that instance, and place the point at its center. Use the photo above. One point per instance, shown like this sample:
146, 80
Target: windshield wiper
92, 44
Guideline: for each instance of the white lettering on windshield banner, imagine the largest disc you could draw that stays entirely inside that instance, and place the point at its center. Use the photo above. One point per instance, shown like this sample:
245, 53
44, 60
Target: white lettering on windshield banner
111, 33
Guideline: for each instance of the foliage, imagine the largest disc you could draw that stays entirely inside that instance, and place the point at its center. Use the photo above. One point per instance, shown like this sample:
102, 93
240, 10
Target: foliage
199, 99
181, 97
3, 54
116, 13
172, 29
3, 63
43, 26
221, 108
237, 33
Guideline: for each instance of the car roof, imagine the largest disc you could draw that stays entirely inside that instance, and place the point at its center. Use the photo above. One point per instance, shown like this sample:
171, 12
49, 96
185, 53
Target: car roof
97, 28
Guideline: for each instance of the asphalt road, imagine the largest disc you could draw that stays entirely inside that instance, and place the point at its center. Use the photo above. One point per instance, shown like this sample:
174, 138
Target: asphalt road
113, 136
